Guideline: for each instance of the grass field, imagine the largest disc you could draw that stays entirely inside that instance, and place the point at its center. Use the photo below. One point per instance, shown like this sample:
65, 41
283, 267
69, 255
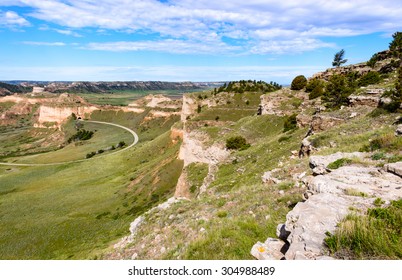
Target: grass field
104, 137
77, 210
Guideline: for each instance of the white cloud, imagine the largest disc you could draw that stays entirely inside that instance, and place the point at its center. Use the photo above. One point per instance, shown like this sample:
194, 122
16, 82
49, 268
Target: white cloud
49, 44
67, 32
273, 25
169, 46
12, 20
297, 45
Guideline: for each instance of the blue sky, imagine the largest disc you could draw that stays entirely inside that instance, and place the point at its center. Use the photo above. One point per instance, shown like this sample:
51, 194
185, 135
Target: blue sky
188, 40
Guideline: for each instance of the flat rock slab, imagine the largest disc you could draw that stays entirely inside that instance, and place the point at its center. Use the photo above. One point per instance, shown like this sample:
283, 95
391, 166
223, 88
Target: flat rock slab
309, 221
367, 180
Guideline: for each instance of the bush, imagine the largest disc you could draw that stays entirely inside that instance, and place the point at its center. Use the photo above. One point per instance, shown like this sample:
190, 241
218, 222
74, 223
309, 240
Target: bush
369, 78
298, 83
290, 123
339, 163
237, 143
81, 134
91, 154
373, 60
312, 84
337, 91
316, 92
387, 142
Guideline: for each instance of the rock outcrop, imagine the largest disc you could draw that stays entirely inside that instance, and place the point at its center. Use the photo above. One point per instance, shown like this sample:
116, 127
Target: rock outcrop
330, 198
58, 114
323, 122
189, 107
362, 100
140, 220
193, 150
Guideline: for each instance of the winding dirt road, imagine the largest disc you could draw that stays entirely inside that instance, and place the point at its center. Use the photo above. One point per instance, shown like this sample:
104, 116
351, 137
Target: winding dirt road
135, 136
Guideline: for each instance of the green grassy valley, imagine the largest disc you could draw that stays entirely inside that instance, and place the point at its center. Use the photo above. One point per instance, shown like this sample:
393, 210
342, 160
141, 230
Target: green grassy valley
221, 173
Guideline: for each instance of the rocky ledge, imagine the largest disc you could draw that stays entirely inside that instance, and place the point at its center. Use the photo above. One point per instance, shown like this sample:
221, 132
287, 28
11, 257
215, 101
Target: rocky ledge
329, 197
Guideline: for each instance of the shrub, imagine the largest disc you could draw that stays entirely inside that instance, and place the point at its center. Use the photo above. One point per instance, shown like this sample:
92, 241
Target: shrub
386, 142
373, 60
339, 162
378, 156
378, 202
396, 45
81, 134
222, 214
283, 138
369, 79
312, 84
316, 92
91, 154
237, 143
298, 83
337, 91
290, 123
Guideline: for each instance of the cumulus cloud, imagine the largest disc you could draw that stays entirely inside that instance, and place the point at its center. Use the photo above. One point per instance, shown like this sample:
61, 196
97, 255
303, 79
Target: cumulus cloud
275, 26
12, 20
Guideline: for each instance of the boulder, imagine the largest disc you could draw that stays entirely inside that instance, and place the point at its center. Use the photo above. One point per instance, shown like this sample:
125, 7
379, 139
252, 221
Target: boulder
398, 130
268, 177
305, 148
395, 168
271, 249
322, 122
319, 170
281, 232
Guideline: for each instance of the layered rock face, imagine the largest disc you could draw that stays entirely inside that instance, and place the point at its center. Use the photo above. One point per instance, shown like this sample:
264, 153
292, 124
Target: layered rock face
58, 115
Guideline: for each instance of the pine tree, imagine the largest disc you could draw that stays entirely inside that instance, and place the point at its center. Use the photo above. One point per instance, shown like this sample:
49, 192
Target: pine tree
338, 58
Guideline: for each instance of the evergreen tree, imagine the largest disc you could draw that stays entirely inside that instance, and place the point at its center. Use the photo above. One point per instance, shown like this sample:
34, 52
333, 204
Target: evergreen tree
337, 92
339, 58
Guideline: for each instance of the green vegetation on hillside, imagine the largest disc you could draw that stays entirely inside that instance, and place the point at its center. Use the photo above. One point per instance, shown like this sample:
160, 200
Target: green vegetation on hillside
375, 235
81, 134
243, 86
298, 83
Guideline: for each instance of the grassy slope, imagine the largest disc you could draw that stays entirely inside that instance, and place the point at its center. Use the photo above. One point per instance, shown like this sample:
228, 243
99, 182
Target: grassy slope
76, 210
104, 136
240, 211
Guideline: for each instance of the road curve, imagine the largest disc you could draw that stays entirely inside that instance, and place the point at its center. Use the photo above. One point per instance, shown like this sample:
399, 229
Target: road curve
135, 136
